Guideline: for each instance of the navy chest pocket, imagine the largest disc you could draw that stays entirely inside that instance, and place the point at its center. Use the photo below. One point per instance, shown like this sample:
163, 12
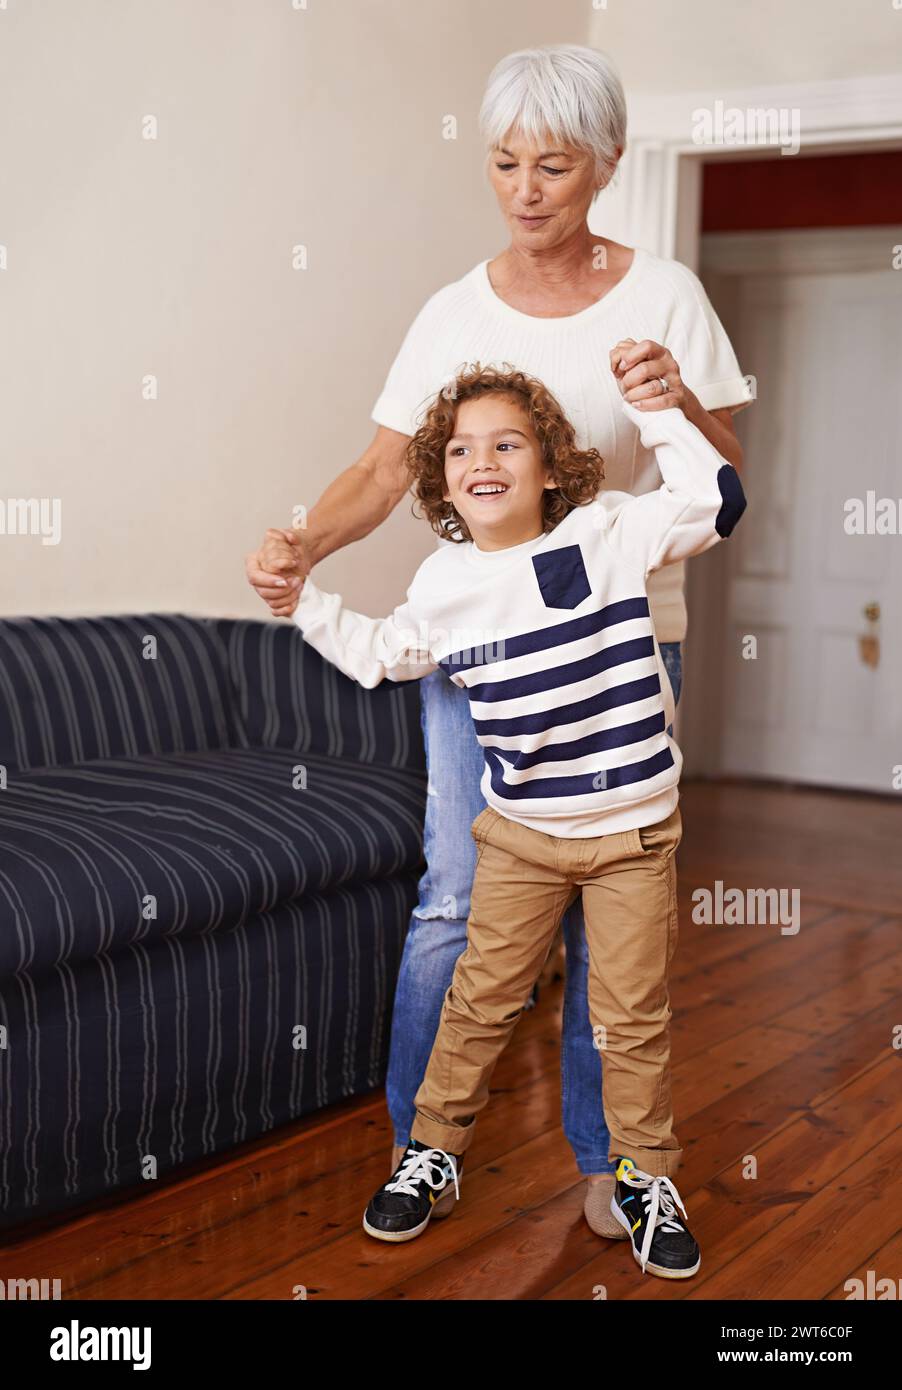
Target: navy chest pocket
562, 577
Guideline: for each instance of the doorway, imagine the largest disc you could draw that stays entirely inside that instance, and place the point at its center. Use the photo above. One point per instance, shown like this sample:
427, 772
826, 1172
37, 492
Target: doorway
794, 642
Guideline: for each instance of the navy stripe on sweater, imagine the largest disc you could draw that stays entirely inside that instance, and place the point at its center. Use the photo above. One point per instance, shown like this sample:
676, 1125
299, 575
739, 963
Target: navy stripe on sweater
627, 694
620, 737
554, 676
581, 785
506, 648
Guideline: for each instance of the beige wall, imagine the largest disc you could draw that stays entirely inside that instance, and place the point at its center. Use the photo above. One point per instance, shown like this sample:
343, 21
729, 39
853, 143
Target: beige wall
683, 45
172, 257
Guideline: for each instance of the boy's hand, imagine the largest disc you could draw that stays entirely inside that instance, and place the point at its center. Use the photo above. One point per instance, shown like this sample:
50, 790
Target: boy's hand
648, 376
278, 570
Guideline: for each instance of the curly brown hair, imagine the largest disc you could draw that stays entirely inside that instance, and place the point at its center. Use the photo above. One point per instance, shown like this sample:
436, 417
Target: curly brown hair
577, 473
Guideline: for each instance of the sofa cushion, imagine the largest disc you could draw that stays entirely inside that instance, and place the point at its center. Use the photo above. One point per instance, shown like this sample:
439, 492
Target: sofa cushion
287, 696
72, 689
96, 856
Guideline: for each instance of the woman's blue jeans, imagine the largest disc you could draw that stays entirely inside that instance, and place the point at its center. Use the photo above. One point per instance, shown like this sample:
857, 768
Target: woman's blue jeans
438, 929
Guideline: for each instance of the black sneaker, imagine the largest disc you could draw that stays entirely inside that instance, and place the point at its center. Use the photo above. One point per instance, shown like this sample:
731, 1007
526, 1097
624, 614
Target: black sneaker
644, 1206
402, 1208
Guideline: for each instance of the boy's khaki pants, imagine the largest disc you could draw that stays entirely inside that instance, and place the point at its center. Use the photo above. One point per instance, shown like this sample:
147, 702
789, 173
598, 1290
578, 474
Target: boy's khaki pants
524, 882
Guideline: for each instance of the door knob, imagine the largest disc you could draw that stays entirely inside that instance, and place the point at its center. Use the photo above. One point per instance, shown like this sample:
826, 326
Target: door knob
869, 643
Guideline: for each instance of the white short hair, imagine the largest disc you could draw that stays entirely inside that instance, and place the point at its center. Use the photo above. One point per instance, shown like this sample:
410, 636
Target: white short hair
565, 91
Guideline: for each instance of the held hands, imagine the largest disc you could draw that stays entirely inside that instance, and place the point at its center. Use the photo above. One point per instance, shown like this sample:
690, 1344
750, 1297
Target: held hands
648, 376
278, 569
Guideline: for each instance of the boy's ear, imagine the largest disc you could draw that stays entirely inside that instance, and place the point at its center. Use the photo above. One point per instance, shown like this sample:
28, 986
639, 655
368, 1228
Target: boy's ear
550, 480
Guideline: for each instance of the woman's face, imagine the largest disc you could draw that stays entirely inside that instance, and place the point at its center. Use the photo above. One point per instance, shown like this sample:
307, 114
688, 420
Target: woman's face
544, 190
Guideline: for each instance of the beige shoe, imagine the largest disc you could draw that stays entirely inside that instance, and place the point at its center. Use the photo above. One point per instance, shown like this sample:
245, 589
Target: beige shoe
445, 1204
597, 1209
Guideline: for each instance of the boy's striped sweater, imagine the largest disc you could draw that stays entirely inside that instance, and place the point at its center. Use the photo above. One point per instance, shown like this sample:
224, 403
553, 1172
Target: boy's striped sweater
554, 643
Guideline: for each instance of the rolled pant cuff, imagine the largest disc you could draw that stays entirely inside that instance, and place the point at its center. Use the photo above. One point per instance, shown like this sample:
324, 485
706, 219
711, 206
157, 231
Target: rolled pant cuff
454, 1139
594, 1167
660, 1163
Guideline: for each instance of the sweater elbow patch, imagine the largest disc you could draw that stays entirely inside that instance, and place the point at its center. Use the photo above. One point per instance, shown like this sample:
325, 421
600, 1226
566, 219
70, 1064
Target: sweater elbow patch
734, 500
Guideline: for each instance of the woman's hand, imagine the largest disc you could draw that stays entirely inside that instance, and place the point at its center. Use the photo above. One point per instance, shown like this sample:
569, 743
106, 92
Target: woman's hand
278, 569
649, 379
648, 376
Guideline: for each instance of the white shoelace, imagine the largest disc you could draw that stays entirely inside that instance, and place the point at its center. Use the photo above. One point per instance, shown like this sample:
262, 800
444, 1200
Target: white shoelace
658, 1199
418, 1167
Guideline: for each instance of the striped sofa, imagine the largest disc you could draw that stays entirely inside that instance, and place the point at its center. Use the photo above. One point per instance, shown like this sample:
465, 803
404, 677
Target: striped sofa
209, 848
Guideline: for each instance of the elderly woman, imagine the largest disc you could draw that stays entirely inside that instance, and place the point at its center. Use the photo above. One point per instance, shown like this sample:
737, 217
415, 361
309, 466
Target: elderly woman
564, 305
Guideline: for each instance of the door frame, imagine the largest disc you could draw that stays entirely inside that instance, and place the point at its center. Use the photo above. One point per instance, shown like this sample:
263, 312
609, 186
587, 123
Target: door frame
655, 198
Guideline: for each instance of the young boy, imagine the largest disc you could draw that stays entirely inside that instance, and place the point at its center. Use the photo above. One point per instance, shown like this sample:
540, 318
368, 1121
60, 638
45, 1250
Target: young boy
540, 612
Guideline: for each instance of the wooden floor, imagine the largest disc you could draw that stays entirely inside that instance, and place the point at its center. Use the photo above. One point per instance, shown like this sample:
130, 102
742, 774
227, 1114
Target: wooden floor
782, 1050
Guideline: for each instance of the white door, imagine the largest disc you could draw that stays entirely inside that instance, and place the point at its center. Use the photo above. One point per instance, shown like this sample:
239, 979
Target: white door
797, 694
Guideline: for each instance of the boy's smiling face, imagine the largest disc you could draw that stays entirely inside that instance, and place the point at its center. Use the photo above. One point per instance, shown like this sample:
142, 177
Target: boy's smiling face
494, 473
